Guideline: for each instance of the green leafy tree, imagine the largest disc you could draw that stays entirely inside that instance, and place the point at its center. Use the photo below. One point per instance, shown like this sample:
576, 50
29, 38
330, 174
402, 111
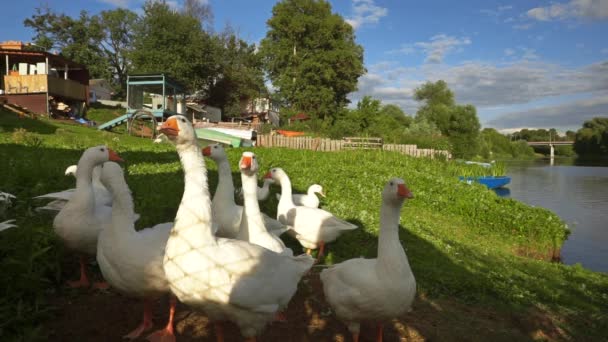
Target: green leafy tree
458, 122
117, 41
175, 43
240, 77
496, 145
592, 138
311, 56
101, 42
463, 131
397, 113
78, 39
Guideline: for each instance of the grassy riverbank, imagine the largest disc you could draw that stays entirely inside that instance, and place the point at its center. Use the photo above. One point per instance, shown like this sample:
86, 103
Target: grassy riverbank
474, 254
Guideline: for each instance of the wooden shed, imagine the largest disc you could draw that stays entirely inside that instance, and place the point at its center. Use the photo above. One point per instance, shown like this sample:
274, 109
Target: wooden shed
36, 79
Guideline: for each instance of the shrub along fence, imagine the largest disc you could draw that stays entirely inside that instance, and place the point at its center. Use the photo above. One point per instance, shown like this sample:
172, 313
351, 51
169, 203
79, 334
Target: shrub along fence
326, 144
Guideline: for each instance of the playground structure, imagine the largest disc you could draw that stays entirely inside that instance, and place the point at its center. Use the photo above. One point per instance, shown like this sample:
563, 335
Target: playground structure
151, 98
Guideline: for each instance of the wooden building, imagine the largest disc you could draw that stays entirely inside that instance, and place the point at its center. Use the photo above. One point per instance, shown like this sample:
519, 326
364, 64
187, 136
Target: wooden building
39, 80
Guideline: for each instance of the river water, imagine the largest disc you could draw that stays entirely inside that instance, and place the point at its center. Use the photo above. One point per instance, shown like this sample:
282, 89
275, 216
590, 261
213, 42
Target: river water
576, 193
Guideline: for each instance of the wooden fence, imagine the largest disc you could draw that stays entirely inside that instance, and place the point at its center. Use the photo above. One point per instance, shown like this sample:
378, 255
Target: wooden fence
325, 144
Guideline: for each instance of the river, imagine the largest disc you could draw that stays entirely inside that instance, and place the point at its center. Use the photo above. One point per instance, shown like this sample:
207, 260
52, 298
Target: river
576, 193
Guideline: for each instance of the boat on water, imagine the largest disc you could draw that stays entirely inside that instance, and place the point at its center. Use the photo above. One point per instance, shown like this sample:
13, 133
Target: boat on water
491, 182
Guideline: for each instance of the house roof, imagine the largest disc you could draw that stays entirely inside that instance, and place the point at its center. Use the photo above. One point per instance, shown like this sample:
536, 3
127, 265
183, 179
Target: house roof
39, 56
300, 116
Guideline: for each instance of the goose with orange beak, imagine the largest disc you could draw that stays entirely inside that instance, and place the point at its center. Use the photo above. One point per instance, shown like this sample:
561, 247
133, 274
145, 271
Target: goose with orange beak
226, 212
228, 279
81, 220
380, 289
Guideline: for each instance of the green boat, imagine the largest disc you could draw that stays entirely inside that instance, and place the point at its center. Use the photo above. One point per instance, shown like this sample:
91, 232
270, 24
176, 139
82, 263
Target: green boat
210, 136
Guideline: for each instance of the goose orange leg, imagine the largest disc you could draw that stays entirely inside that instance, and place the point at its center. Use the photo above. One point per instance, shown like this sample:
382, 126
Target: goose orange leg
166, 334
84, 280
146, 322
321, 250
379, 332
219, 331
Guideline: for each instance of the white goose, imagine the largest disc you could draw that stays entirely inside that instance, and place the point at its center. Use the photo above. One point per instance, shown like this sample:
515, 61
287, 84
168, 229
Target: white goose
374, 289
131, 261
7, 224
6, 200
309, 199
313, 227
228, 279
252, 224
226, 212
60, 198
81, 219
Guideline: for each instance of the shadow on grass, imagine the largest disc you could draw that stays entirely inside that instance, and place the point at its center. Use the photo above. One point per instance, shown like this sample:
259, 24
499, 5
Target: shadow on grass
11, 122
452, 302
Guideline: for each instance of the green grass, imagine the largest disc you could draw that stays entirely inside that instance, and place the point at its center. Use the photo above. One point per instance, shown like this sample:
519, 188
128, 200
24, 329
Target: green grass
464, 242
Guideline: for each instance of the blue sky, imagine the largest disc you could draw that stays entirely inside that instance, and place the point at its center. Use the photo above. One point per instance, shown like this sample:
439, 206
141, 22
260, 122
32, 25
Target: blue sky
521, 63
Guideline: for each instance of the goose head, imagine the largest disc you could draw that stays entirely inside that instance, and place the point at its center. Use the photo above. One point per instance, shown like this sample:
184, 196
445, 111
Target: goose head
248, 164
215, 152
178, 130
316, 188
396, 192
276, 174
100, 154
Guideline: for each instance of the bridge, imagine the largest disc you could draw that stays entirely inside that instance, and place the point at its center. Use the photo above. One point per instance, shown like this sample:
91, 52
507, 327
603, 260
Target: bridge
550, 144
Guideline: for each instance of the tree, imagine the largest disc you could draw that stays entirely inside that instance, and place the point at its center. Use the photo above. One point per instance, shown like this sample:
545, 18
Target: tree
240, 75
458, 122
311, 57
395, 112
101, 42
184, 51
117, 42
463, 131
592, 138
77, 39
200, 10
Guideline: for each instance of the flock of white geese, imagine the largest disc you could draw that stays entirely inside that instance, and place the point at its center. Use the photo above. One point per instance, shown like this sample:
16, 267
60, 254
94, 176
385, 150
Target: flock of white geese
221, 258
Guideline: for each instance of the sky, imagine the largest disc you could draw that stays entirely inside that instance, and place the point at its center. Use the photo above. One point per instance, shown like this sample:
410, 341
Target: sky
522, 64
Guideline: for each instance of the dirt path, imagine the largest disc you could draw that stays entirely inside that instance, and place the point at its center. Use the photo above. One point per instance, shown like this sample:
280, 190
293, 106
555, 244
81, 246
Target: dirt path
89, 315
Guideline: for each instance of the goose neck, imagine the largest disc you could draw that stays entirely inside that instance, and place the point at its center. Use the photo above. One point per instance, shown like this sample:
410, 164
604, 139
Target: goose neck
254, 219
195, 207
390, 250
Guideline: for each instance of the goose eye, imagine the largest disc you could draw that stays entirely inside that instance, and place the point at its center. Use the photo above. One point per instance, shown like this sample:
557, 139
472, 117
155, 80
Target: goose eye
391, 183
102, 149
183, 120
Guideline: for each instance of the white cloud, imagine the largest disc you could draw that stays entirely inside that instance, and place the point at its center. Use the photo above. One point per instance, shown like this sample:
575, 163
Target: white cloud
436, 48
496, 12
484, 84
509, 52
604, 51
366, 12
588, 9
567, 116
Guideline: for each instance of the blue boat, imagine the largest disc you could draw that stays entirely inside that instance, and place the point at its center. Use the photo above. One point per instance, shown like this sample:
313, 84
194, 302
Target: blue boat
492, 182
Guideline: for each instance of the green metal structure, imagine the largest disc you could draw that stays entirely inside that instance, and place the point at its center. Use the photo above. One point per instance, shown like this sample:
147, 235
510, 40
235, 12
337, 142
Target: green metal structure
150, 98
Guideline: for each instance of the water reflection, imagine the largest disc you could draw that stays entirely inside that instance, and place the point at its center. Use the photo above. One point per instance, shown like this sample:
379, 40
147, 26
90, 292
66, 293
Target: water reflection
502, 192
579, 195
